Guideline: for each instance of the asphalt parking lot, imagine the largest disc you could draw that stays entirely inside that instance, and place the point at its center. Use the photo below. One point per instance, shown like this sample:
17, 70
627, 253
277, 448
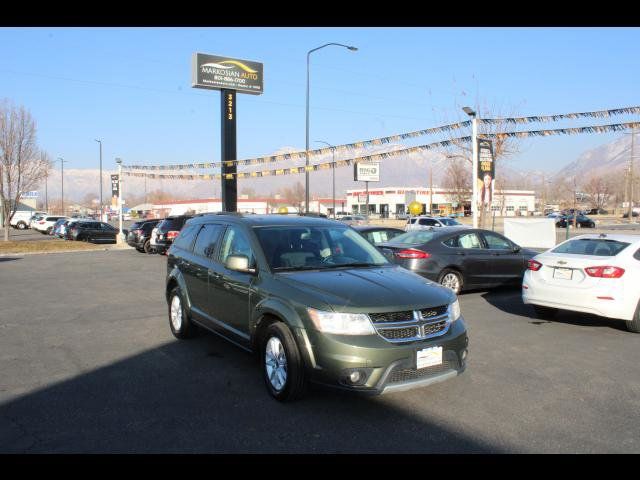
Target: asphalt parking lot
89, 366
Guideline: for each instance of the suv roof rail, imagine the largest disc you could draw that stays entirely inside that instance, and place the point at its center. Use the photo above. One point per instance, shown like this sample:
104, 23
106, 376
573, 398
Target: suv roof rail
237, 214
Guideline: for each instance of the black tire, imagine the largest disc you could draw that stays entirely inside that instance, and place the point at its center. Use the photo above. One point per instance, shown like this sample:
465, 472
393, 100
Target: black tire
295, 384
544, 312
634, 324
48, 232
147, 247
445, 277
21, 226
186, 329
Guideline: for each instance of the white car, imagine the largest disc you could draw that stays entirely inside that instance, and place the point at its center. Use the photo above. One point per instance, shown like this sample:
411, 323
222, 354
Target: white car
45, 224
424, 223
597, 274
21, 219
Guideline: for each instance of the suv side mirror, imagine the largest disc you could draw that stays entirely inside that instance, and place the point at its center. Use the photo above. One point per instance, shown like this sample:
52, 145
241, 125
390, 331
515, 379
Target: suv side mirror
239, 263
516, 249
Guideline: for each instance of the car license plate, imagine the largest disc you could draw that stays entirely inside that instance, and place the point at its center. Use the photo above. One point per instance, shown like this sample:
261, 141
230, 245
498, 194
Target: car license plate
563, 273
428, 357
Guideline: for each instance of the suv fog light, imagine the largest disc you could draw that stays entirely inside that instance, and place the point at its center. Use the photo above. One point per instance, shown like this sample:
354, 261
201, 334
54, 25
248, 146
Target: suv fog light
355, 376
464, 355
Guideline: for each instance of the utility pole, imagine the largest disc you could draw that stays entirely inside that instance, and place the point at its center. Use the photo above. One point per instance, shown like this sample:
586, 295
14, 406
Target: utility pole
431, 185
100, 142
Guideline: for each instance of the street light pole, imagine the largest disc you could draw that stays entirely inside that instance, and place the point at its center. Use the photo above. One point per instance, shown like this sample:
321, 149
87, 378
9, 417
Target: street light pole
306, 173
100, 142
119, 240
62, 162
333, 174
474, 163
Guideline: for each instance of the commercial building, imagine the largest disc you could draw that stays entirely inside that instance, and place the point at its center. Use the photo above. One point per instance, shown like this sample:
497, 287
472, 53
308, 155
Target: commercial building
245, 205
391, 201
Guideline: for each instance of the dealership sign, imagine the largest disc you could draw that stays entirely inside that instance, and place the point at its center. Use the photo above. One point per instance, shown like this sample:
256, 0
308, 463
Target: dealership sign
366, 172
32, 194
217, 73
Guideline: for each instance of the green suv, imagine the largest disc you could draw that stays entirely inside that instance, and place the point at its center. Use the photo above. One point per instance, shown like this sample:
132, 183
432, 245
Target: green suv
316, 301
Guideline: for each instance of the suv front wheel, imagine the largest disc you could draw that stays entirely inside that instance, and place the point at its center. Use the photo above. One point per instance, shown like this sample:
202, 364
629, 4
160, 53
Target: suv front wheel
282, 365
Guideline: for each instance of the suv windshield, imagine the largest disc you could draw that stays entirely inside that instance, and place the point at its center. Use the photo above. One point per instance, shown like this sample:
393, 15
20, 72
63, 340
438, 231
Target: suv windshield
313, 247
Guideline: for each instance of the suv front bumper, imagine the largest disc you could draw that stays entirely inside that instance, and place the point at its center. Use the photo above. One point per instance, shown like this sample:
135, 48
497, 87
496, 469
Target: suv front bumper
388, 367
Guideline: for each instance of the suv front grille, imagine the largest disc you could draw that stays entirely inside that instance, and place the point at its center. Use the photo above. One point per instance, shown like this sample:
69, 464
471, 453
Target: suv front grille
392, 317
399, 333
410, 326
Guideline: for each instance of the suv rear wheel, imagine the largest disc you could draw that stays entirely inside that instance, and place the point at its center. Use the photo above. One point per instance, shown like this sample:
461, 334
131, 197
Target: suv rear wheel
147, 247
282, 365
21, 226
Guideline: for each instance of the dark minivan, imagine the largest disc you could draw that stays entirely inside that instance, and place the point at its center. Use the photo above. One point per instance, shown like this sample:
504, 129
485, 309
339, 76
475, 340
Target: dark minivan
317, 303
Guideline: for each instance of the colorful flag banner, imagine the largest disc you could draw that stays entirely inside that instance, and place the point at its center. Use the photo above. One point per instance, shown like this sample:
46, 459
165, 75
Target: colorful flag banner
301, 155
564, 116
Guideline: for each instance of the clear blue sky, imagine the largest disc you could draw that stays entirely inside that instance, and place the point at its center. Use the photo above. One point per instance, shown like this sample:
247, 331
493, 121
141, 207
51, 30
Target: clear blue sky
131, 86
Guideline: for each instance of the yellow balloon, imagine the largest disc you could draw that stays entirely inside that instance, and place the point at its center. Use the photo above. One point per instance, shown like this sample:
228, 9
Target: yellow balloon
283, 210
415, 208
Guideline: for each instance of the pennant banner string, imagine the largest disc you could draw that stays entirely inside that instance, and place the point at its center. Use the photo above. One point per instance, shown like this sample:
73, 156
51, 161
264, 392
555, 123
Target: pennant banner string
301, 155
555, 118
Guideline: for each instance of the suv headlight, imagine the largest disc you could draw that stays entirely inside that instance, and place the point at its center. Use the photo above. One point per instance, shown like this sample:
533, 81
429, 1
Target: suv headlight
341, 323
454, 310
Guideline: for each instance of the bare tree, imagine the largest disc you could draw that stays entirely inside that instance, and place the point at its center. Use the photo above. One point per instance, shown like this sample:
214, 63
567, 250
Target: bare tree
457, 180
22, 167
503, 147
294, 195
599, 190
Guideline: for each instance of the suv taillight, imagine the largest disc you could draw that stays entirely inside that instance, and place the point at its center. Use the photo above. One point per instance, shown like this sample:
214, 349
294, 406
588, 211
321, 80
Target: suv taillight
605, 272
41, 222
172, 234
533, 265
412, 253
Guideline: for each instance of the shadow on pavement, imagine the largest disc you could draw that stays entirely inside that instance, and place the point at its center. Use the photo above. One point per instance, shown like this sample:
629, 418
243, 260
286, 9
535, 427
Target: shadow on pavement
206, 396
9, 259
509, 300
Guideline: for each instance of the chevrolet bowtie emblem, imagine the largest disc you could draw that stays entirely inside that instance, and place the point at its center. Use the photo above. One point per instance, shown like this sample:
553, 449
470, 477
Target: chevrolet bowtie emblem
560, 262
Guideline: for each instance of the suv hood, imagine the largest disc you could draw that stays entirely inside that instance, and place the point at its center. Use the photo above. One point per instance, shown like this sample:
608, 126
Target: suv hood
369, 289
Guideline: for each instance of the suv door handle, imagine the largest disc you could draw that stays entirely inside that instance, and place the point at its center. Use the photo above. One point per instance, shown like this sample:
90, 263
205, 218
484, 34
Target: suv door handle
215, 275
460, 253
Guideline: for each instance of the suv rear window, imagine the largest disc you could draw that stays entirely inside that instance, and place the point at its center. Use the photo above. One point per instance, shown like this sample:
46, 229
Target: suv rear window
598, 247
175, 223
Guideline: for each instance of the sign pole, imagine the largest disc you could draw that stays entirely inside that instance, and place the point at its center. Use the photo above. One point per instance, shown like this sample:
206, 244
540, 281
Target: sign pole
367, 202
120, 239
228, 154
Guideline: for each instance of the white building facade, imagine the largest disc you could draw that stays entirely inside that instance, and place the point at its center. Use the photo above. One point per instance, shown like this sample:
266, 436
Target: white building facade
388, 202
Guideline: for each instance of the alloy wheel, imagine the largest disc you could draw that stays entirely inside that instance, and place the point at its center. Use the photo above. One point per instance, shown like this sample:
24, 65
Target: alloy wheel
176, 313
275, 361
451, 281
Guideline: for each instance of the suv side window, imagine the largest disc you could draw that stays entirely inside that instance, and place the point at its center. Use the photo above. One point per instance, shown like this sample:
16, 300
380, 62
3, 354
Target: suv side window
207, 239
637, 255
428, 222
496, 242
185, 239
235, 242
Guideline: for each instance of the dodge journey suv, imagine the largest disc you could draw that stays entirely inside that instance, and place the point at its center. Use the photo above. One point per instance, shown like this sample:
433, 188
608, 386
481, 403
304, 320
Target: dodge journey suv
315, 301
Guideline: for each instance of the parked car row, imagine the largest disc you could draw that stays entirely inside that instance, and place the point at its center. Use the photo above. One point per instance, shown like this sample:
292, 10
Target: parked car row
83, 229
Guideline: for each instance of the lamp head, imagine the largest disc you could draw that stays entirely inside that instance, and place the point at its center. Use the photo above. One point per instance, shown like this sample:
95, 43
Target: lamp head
352, 48
469, 111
